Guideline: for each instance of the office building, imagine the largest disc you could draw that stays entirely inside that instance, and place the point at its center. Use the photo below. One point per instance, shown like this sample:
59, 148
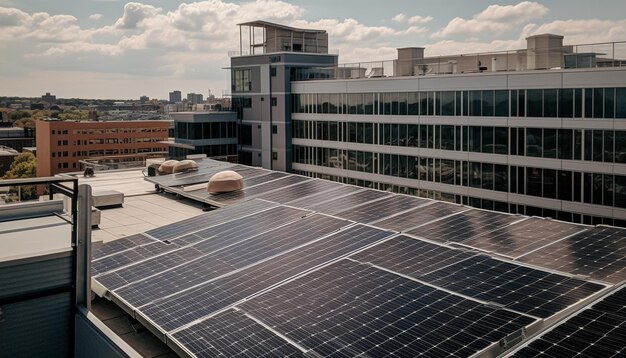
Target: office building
538, 131
62, 146
175, 97
195, 98
49, 98
213, 133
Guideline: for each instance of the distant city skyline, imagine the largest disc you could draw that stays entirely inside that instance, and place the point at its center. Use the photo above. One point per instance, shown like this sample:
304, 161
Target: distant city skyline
113, 49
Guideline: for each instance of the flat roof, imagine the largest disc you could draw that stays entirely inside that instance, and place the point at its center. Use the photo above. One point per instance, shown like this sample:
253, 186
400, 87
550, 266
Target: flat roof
34, 237
260, 23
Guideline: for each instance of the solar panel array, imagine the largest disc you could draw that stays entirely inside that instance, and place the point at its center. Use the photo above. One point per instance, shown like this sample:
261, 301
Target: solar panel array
294, 266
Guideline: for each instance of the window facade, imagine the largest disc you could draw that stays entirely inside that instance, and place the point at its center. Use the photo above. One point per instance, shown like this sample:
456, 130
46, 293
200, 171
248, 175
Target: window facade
241, 80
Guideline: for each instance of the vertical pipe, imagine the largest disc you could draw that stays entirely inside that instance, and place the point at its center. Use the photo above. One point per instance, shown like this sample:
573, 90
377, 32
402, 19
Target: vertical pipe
83, 247
240, 42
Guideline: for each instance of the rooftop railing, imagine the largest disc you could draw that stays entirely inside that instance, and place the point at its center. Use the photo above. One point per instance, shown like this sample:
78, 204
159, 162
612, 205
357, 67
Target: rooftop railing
598, 55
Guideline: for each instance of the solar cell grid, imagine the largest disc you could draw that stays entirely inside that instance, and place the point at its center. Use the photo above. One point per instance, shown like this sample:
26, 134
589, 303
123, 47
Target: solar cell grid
299, 190
247, 193
598, 253
180, 309
519, 288
379, 209
144, 269
122, 244
464, 225
599, 331
213, 217
233, 334
343, 203
411, 256
419, 216
226, 240
126, 257
349, 309
317, 198
523, 237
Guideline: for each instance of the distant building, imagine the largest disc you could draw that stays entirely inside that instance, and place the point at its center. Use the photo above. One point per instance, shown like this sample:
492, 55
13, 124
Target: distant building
49, 98
7, 155
210, 133
61, 145
39, 106
17, 138
144, 99
176, 96
195, 98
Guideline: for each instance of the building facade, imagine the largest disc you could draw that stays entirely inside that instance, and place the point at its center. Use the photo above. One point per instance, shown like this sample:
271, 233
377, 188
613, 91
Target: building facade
538, 131
176, 96
211, 133
62, 145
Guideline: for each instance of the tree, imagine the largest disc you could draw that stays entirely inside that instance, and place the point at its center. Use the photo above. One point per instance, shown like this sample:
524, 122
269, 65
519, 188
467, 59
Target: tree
24, 166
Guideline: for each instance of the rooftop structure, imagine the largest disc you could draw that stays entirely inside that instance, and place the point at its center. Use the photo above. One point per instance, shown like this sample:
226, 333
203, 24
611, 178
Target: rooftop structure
281, 38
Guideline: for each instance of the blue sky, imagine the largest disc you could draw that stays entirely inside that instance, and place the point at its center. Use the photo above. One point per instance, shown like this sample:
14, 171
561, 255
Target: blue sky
121, 49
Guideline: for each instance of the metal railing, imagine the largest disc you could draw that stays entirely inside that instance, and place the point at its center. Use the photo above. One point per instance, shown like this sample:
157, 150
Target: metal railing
598, 55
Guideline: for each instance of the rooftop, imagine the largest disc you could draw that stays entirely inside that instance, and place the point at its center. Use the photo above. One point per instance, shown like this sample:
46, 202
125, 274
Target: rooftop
294, 265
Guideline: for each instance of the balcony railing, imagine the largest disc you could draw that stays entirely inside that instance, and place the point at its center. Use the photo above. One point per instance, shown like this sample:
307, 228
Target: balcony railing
598, 55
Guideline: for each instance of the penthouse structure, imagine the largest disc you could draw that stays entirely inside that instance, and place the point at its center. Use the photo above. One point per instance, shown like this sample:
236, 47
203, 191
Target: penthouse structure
537, 131
62, 145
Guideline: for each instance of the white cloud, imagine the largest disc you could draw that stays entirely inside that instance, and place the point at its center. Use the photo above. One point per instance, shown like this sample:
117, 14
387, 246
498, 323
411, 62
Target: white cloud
582, 31
399, 18
495, 19
13, 17
415, 20
95, 17
135, 13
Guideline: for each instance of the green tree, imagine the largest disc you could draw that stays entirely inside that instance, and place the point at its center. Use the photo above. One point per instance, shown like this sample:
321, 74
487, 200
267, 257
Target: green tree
73, 115
24, 166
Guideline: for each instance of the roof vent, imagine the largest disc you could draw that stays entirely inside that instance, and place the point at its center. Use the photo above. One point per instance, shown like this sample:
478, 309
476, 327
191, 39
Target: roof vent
225, 181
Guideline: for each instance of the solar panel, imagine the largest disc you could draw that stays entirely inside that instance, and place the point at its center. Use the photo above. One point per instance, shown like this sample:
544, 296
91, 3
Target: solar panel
598, 331
598, 253
299, 190
350, 309
317, 198
349, 201
122, 244
144, 269
203, 195
234, 334
243, 250
206, 169
382, 208
464, 225
183, 308
117, 260
410, 256
217, 216
523, 289
523, 237
247, 193
419, 216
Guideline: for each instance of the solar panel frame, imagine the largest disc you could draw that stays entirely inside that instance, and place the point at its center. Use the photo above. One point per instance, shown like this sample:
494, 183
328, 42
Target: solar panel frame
179, 310
385, 207
523, 236
353, 309
598, 253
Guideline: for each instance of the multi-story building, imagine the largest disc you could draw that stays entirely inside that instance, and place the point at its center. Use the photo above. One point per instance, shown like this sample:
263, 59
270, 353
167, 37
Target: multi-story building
195, 98
213, 133
176, 96
62, 145
17, 138
261, 88
540, 131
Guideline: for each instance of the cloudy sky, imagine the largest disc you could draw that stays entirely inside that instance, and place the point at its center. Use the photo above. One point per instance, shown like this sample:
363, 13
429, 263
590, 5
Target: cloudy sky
120, 49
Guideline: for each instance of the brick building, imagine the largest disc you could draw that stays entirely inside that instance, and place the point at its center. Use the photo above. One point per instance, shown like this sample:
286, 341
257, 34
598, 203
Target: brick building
62, 144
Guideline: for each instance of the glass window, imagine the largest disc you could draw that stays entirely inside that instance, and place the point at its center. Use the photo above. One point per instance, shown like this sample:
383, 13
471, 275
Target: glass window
475, 103
533, 184
513, 141
620, 191
386, 101
474, 139
609, 102
368, 102
488, 103
549, 183
333, 130
458, 103
620, 103
565, 143
598, 148
474, 175
368, 135
588, 102
359, 132
324, 99
501, 103
578, 103
447, 103
598, 188
402, 103
487, 176
550, 103
394, 98
533, 142
567, 102
423, 96
588, 144
413, 134
447, 171
620, 147
431, 103
447, 137
565, 185
487, 139
423, 136
352, 132
549, 143
534, 103
608, 146
402, 141
501, 136
608, 189
413, 103
513, 103
521, 103
598, 102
